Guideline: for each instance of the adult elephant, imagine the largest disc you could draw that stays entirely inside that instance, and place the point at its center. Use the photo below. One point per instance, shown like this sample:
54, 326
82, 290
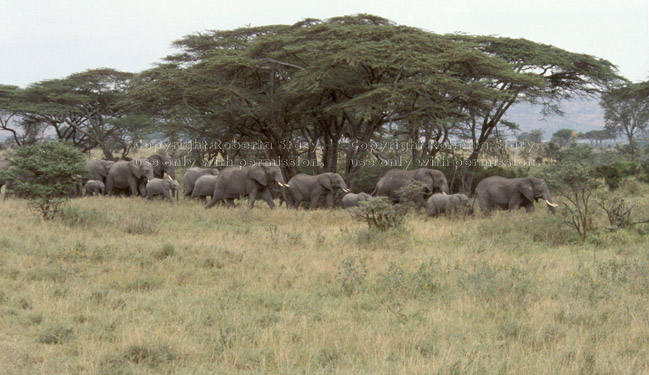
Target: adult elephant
395, 179
193, 174
131, 175
306, 187
497, 192
204, 187
352, 199
162, 164
248, 181
99, 169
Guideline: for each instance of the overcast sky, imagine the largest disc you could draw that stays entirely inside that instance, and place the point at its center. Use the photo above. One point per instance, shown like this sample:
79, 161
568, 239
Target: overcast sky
47, 39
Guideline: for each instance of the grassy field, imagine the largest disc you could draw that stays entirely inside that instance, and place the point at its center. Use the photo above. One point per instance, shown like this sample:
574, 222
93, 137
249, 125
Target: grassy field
128, 286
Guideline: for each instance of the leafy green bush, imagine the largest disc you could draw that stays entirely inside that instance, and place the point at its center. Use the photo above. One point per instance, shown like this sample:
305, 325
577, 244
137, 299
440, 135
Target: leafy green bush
380, 213
46, 174
573, 180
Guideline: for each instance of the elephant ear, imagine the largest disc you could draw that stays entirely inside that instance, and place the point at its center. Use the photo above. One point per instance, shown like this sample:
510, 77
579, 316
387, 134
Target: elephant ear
258, 174
526, 187
135, 168
325, 180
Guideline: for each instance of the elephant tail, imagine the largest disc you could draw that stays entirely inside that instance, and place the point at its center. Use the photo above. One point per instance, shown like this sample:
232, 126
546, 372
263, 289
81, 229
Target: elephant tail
472, 210
373, 193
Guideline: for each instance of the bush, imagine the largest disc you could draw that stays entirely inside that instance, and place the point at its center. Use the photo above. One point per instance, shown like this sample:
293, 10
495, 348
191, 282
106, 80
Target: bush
380, 213
573, 179
46, 174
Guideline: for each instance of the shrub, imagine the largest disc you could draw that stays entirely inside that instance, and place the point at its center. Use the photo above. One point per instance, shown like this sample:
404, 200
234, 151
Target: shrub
350, 274
167, 250
380, 213
74, 217
398, 281
46, 174
55, 334
412, 193
572, 179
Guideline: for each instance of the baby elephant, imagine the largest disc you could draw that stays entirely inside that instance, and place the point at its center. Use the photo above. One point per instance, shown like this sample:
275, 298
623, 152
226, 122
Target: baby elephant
94, 187
351, 199
441, 203
161, 186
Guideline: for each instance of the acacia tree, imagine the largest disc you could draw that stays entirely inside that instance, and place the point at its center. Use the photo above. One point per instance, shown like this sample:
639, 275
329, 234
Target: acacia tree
626, 110
82, 108
318, 81
546, 75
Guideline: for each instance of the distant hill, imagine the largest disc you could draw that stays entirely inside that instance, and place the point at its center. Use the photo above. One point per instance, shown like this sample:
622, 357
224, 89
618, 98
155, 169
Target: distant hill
580, 115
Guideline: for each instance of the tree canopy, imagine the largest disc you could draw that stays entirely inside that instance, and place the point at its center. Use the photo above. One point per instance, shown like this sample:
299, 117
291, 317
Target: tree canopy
318, 90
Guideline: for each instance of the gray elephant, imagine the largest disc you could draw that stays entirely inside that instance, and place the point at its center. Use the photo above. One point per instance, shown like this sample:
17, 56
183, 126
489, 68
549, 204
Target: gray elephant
204, 187
352, 199
249, 181
162, 164
132, 174
442, 203
162, 186
395, 179
94, 187
99, 169
513, 193
304, 187
193, 174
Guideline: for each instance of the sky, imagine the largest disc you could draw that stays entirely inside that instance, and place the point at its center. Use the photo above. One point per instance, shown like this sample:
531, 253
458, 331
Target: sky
49, 39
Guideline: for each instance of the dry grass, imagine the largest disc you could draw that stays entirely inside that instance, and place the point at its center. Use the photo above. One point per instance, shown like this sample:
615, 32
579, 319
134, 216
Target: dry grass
128, 286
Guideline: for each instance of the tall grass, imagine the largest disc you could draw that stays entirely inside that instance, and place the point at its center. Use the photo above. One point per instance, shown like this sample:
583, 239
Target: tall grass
129, 286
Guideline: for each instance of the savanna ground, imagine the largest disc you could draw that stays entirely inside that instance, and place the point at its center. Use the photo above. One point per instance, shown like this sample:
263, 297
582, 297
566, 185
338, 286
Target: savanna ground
128, 286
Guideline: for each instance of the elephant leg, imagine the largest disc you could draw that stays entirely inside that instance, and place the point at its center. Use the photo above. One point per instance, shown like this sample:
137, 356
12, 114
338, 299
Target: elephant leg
213, 201
330, 200
513, 204
141, 186
230, 202
109, 186
167, 195
133, 186
296, 199
315, 197
268, 197
529, 208
251, 198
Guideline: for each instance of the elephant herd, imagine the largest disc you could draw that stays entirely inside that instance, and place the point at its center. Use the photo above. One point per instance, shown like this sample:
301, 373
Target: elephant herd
145, 177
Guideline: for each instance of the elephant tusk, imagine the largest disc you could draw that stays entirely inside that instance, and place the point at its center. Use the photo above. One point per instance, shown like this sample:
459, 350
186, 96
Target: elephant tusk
444, 193
346, 190
551, 204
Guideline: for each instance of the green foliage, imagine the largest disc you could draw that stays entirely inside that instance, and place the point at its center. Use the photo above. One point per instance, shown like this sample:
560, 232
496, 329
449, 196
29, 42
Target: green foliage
366, 177
400, 282
626, 110
46, 174
350, 274
380, 213
572, 178
412, 193
614, 173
